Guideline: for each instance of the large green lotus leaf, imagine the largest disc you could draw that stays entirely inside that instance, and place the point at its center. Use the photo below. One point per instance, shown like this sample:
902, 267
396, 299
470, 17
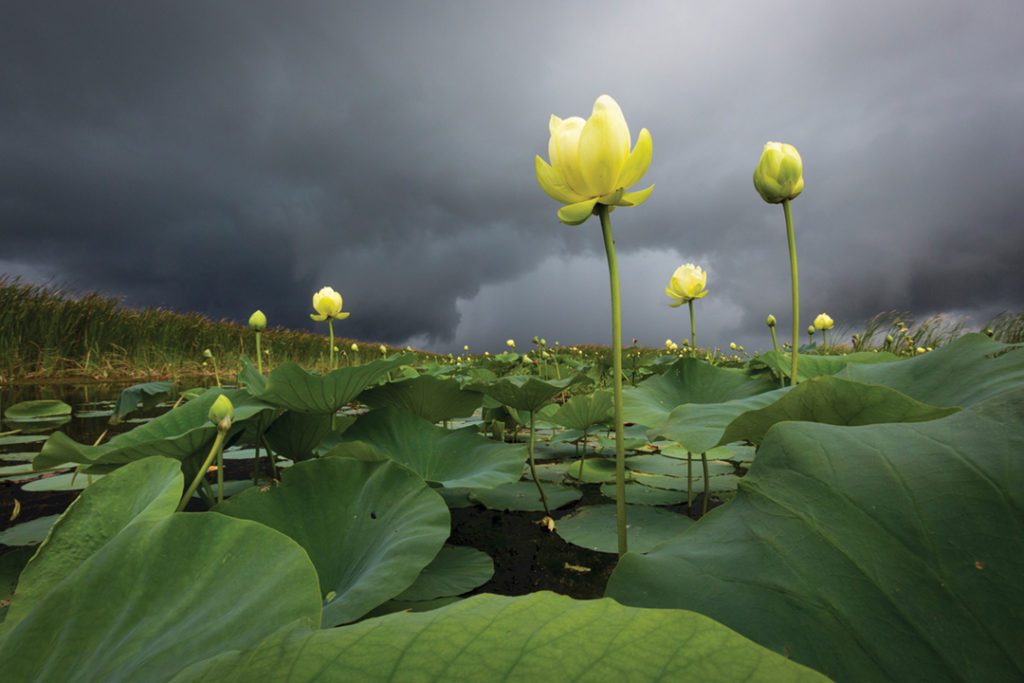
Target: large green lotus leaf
590, 471
637, 494
717, 483
833, 401
37, 410
674, 467
296, 435
369, 527
688, 381
809, 365
962, 373
148, 395
11, 564
431, 398
536, 637
179, 434
584, 411
160, 596
594, 527
291, 387
699, 427
148, 489
884, 552
524, 392
455, 570
451, 458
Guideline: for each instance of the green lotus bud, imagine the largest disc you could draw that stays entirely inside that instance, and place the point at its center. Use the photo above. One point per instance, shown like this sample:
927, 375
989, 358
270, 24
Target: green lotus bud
221, 412
889, 339
779, 174
810, 330
207, 353
770, 320
732, 345
257, 321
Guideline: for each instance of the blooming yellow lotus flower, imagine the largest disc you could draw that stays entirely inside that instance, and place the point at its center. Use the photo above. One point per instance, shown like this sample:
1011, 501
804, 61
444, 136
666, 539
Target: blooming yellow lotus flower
780, 173
591, 162
823, 322
327, 304
687, 283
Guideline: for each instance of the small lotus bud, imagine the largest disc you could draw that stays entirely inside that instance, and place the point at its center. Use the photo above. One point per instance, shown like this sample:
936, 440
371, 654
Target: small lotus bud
889, 339
732, 345
536, 339
810, 330
779, 175
354, 347
510, 343
770, 320
988, 331
920, 350
207, 353
465, 347
257, 321
221, 412
383, 349
526, 358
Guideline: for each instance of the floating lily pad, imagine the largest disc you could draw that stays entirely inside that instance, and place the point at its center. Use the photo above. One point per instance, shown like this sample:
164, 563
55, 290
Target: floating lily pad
522, 496
37, 410
28, 533
594, 527
637, 494
61, 482
454, 571
593, 471
21, 438
716, 483
674, 467
369, 527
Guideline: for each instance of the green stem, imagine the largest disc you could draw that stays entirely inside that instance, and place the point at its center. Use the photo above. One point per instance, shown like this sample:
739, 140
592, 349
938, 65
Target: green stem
330, 331
533, 470
693, 329
707, 485
620, 445
259, 355
270, 457
791, 238
583, 457
220, 476
689, 481
775, 342
824, 341
216, 371
218, 443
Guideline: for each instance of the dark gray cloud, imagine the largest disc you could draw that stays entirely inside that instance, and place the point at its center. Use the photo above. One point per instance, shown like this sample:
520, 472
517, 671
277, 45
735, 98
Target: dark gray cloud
233, 155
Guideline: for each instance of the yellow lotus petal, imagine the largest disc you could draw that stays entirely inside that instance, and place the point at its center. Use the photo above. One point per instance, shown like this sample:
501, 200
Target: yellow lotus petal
677, 303
574, 214
554, 185
639, 159
564, 152
342, 316
603, 147
702, 294
317, 317
636, 198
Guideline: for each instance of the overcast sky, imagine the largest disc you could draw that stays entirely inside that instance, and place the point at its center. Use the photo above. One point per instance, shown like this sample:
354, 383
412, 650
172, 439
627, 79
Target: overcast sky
226, 156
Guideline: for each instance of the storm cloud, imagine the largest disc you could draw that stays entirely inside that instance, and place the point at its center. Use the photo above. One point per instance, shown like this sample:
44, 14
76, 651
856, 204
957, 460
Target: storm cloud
232, 155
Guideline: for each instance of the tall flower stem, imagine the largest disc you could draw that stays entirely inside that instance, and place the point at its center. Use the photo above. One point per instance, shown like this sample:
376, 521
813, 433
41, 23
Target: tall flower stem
218, 443
620, 445
824, 341
775, 342
330, 332
791, 238
693, 328
707, 485
533, 469
259, 354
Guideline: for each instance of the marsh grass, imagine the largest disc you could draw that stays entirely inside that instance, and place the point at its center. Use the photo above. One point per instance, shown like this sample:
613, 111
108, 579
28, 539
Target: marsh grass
47, 332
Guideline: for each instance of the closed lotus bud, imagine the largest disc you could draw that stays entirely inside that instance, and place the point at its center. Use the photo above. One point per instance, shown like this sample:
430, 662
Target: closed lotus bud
810, 330
383, 349
920, 350
770, 320
779, 174
823, 322
543, 341
466, 347
207, 353
354, 347
510, 343
687, 283
889, 339
732, 345
257, 321
221, 411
